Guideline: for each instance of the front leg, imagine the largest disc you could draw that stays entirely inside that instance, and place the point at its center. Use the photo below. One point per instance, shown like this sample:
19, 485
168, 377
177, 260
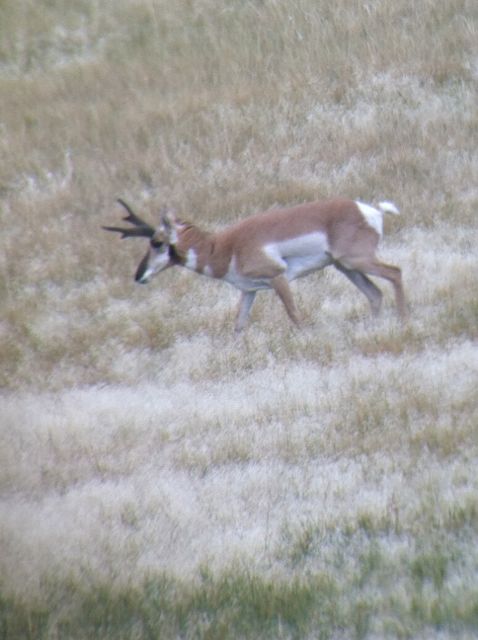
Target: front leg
245, 304
281, 287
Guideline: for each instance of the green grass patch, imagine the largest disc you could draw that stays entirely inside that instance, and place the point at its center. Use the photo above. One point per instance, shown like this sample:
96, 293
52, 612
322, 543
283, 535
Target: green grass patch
234, 605
240, 604
361, 587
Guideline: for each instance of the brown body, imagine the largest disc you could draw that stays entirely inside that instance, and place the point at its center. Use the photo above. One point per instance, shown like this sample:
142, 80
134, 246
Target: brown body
269, 249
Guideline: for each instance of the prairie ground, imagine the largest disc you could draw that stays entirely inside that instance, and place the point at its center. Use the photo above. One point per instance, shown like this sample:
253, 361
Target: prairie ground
161, 477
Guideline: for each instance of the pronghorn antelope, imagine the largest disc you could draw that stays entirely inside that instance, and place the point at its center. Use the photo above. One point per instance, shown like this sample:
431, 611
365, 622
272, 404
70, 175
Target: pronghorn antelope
268, 250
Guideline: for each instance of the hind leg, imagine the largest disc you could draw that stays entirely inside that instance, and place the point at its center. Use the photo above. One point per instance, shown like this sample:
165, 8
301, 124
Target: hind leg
388, 272
366, 286
393, 275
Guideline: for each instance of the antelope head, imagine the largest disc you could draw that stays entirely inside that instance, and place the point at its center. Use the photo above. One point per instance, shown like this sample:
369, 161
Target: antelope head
162, 242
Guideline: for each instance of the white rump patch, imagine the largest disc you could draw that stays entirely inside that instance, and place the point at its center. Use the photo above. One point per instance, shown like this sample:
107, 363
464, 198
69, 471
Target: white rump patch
373, 217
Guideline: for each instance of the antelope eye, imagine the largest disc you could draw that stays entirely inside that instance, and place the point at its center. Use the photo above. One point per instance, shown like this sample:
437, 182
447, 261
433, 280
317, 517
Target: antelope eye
156, 244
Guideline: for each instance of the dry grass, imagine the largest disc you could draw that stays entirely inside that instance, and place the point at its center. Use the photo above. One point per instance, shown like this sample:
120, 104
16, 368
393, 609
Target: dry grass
140, 441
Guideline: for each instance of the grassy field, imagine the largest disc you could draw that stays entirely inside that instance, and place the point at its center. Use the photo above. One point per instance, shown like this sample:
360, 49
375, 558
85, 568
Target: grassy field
161, 477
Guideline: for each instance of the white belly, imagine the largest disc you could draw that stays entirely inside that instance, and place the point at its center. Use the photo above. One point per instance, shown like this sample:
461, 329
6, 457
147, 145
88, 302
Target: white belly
302, 255
295, 257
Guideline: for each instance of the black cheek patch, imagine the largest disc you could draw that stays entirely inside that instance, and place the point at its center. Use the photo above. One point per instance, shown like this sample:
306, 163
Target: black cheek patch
174, 255
140, 271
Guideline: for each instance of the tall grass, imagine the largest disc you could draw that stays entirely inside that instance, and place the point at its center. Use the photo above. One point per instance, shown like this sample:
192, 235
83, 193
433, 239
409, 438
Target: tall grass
160, 477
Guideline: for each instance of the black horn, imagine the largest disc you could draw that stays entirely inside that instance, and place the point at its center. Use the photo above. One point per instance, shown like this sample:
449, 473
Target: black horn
141, 229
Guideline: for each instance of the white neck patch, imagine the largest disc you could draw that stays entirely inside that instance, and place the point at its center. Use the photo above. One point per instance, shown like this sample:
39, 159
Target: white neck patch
191, 260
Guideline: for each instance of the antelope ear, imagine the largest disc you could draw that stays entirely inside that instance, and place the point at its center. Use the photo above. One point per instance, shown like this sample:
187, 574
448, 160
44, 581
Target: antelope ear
168, 219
